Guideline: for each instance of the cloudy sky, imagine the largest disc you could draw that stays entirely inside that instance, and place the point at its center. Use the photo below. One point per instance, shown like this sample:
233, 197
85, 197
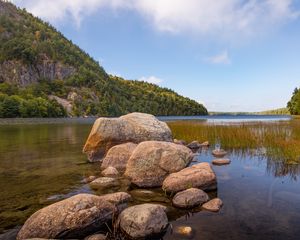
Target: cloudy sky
231, 55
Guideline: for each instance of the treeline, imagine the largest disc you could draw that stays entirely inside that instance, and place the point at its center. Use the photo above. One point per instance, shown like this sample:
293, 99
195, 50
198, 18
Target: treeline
294, 104
28, 39
15, 102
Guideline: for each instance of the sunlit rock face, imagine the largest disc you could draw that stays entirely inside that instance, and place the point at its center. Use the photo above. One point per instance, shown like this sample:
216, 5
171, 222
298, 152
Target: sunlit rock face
75, 217
152, 161
197, 176
133, 127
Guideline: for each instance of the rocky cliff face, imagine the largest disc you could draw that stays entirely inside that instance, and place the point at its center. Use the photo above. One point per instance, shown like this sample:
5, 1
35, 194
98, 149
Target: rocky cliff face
16, 72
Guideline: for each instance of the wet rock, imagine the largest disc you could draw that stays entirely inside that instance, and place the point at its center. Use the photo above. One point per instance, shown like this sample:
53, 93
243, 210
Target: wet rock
89, 179
133, 127
104, 182
199, 175
213, 205
116, 198
194, 145
190, 198
219, 153
118, 156
145, 195
119, 199
110, 172
143, 220
152, 161
75, 217
181, 142
185, 231
96, 237
221, 161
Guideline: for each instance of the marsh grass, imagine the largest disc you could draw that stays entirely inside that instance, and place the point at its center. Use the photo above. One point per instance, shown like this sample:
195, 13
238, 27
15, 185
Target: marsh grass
280, 139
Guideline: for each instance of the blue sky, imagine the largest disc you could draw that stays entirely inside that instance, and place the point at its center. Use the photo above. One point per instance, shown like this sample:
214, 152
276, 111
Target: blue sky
231, 55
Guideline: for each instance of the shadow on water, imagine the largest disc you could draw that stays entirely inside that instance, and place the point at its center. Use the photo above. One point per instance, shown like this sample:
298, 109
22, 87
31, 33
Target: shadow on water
41, 164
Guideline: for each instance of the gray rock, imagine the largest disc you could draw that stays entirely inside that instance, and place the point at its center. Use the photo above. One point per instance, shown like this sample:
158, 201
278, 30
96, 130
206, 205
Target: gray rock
189, 198
152, 161
133, 127
16, 72
75, 217
143, 220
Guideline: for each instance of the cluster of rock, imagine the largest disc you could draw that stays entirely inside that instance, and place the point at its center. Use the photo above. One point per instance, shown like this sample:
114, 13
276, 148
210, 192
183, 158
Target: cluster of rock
139, 147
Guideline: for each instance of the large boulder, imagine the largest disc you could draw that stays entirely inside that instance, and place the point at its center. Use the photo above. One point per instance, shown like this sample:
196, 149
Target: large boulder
189, 198
75, 217
133, 127
152, 161
118, 156
199, 175
143, 220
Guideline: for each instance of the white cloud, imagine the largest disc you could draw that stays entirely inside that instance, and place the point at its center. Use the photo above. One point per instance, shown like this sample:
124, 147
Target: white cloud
222, 58
151, 79
222, 18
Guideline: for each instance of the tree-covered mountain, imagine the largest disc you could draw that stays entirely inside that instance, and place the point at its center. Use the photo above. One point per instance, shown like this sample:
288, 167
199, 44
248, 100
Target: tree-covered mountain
41, 71
294, 104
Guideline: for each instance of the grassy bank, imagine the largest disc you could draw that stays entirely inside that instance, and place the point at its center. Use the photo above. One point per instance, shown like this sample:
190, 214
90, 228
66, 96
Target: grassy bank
281, 139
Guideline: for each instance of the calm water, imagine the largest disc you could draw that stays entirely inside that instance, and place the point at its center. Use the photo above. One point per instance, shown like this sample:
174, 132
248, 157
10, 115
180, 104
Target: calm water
42, 163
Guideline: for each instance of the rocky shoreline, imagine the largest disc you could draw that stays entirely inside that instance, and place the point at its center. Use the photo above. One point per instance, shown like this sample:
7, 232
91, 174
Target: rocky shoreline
139, 148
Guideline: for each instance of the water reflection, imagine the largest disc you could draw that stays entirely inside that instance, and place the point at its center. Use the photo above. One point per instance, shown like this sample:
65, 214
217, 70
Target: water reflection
41, 164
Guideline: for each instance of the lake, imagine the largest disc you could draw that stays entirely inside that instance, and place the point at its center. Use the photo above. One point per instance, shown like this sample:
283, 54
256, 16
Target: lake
41, 163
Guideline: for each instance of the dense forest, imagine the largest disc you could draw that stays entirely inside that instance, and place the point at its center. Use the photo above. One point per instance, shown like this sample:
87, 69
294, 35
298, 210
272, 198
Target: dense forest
294, 104
56, 66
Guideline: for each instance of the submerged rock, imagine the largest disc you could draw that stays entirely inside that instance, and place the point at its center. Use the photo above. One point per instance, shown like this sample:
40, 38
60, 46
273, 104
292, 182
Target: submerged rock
118, 156
219, 153
75, 217
145, 195
189, 198
116, 198
133, 127
152, 161
89, 179
199, 175
143, 220
185, 231
104, 182
110, 172
213, 205
221, 161
96, 237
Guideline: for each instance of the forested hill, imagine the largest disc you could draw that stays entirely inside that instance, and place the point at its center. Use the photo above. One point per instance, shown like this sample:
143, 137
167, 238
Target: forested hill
41, 71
